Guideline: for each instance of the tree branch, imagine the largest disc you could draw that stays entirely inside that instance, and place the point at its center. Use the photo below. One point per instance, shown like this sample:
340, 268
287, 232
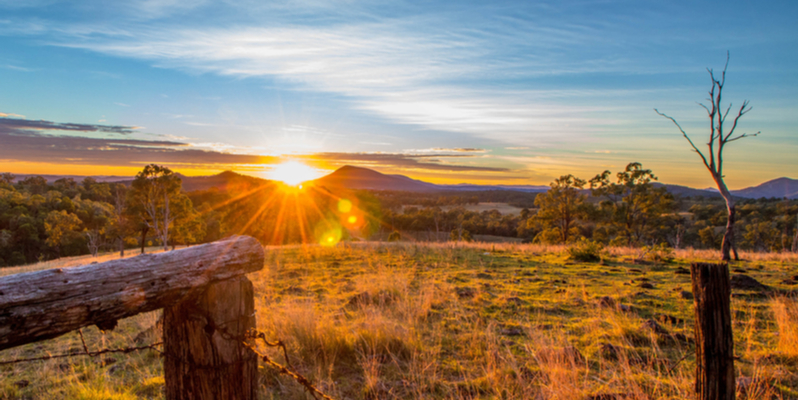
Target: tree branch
696, 150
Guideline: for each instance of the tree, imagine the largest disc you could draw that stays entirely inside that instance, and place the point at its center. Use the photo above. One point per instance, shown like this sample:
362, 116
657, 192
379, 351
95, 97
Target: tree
61, 227
632, 206
156, 199
560, 209
717, 139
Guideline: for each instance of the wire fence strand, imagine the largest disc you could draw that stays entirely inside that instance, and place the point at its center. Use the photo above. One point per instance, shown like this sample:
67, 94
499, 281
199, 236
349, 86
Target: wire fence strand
251, 335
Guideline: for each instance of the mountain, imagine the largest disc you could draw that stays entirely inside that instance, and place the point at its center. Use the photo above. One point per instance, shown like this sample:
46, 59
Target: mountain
781, 187
363, 178
227, 180
686, 191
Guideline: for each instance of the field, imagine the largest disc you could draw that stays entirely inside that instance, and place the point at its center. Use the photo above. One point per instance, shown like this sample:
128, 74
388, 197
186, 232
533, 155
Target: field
462, 321
503, 208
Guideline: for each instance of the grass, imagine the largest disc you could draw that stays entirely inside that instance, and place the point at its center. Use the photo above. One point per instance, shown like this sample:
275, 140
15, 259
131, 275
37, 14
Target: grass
462, 321
502, 208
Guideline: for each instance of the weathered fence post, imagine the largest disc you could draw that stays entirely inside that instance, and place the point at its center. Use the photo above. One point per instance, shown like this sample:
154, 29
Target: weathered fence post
204, 355
711, 286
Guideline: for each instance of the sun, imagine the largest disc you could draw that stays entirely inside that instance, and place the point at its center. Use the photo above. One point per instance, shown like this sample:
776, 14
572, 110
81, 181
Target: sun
293, 173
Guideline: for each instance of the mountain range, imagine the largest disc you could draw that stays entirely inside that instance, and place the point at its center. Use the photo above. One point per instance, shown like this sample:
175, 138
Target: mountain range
364, 178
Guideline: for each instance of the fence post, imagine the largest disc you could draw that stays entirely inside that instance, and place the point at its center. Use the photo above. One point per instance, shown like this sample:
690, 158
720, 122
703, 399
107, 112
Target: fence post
714, 375
204, 358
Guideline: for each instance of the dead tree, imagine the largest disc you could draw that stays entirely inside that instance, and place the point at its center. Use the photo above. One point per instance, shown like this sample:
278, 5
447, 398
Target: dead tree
717, 139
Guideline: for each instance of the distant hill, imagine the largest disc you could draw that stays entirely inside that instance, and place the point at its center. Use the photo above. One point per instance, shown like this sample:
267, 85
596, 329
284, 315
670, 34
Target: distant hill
686, 191
363, 178
351, 177
781, 187
227, 180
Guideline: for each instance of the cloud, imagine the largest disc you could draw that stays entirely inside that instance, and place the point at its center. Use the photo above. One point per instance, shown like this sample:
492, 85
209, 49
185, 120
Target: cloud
444, 150
10, 125
24, 140
402, 69
401, 161
12, 115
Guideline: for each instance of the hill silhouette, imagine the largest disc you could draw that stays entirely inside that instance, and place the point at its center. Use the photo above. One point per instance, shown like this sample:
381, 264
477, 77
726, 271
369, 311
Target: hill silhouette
351, 177
781, 187
364, 178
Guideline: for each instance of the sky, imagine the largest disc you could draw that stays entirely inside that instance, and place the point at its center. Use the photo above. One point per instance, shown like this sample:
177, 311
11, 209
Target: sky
517, 92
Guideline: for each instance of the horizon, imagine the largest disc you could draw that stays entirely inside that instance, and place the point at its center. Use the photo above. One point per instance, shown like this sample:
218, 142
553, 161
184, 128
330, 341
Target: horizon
447, 93
131, 177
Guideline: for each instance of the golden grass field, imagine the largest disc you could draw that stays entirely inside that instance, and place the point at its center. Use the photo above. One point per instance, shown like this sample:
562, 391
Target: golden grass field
461, 321
503, 208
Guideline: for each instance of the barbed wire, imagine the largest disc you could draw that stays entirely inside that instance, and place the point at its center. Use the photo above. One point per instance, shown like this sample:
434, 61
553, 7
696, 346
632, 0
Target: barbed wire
252, 334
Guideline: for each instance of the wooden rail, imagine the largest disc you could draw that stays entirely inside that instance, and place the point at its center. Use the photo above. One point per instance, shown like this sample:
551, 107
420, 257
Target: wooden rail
207, 299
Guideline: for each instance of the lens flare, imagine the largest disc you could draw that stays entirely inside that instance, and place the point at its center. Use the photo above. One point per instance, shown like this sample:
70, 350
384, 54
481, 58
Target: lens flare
292, 173
345, 205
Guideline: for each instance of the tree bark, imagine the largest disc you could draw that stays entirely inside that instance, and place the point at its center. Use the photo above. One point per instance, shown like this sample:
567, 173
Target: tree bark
714, 374
45, 304
205, 359
729, 240
144, 237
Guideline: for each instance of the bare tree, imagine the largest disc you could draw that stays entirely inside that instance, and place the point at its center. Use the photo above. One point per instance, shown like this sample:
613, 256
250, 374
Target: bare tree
94, 239
717, 139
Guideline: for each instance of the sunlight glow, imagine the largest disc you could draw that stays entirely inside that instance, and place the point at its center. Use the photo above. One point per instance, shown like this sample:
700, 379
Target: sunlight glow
292, 173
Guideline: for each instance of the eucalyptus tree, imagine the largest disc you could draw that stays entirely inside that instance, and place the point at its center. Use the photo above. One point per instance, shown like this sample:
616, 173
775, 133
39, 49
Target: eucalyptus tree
631, 205
156, 199
559, 210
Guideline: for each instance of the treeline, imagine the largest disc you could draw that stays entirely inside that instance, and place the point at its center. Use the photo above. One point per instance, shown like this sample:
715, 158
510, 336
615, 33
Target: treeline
394, 200
624, 209
41, 221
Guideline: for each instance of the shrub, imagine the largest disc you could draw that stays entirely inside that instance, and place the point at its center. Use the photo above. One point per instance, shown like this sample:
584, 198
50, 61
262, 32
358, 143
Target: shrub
658, 253
585, 250
394, 236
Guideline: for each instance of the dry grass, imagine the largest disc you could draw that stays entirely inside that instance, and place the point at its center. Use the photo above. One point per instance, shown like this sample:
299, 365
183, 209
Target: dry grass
785, 311
463, 321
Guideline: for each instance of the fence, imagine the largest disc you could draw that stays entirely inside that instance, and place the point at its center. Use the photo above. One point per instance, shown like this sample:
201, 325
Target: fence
209, 312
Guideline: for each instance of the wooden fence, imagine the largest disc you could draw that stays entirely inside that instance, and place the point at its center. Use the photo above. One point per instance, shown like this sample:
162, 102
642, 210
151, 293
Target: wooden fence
207, 300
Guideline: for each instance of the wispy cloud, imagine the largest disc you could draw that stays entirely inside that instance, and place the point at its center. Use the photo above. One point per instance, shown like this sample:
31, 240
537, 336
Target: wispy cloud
397, 161
18, 68
400, 69
17, 125
26, 142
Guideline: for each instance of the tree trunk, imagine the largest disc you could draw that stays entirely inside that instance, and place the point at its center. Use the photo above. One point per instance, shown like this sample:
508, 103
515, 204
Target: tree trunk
205, 358
714, 374
144, 237
728, 240
121, 245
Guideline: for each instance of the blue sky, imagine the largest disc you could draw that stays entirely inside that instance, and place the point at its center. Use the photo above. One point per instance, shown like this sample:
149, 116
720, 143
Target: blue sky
505, 92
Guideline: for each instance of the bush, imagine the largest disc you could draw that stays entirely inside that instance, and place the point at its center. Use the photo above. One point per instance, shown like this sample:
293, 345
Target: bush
585, 250
658, 253
394, 236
